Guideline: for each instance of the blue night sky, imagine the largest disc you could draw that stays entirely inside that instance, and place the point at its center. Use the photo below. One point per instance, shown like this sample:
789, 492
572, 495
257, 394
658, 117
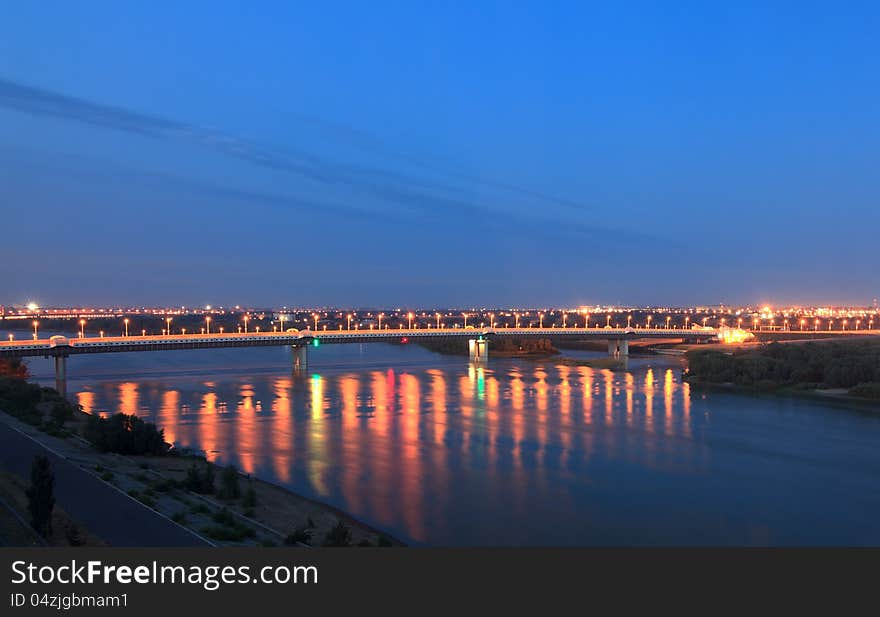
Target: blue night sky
414, 153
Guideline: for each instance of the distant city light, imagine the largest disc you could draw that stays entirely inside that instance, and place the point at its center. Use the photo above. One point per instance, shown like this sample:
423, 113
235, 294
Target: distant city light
32, 306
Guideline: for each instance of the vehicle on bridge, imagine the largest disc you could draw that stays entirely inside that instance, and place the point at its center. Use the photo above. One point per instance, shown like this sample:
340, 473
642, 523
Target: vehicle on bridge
58, 340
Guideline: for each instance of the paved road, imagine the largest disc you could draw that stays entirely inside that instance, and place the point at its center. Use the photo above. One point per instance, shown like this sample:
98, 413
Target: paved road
108, 513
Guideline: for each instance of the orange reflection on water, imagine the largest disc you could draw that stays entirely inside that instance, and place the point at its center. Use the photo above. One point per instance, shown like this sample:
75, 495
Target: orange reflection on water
630, 391
541, 404
246, 425
382, 395
686, 407
169, 413
317, 437
587, 395
564, 389
281, 426
349, 385
128, 398
209, 421
517, 400
411, 468
86, 399
493, 392
541, 389
668, 390
649, 393
608, 376
438, 405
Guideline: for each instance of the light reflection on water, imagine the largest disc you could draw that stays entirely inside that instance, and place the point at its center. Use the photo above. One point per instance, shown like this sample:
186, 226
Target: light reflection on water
439, 451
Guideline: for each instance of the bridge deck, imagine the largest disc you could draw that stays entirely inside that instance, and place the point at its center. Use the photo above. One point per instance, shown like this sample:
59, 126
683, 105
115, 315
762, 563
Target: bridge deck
71, 346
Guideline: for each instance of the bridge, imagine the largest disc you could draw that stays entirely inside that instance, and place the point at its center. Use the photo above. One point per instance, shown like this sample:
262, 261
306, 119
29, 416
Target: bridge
61, 347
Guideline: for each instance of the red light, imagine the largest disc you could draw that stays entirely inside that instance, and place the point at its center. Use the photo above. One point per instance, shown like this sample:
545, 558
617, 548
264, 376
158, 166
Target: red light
404, 341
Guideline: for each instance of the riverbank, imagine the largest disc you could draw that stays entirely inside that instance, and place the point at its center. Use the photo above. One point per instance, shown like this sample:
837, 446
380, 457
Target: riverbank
231, 509
839, 396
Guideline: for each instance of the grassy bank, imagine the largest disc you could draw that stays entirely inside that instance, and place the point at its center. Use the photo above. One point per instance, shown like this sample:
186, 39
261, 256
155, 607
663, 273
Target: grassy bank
219, 503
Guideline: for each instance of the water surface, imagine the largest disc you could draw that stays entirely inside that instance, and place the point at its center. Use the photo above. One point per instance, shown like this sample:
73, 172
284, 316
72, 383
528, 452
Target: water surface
441, 452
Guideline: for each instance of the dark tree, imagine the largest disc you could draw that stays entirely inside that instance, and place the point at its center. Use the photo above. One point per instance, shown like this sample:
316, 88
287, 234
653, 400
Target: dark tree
14, 368
125, 434
41, 495
229, 488
198, 481
250, 496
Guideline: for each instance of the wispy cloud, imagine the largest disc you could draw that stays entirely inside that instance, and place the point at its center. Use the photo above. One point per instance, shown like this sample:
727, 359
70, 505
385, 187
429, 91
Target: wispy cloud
424, 198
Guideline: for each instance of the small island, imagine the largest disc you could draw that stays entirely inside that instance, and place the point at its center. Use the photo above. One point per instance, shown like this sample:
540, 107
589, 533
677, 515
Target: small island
500, 347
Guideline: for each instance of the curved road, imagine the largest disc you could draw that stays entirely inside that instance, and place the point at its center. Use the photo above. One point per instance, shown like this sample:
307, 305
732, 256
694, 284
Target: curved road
107, 512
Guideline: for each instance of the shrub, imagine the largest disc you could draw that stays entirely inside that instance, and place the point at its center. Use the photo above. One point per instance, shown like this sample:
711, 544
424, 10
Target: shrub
199, 508
41, 495
125, 434
299, 535
200, 481
340, 535
229, 488
107, 476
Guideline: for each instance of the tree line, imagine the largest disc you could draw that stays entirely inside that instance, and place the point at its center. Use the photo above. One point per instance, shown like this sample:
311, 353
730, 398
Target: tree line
854, 365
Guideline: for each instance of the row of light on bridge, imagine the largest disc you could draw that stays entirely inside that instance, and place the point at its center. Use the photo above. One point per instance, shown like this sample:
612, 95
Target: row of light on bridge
803, 324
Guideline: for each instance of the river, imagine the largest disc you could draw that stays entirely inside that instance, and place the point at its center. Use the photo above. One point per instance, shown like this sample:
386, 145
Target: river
440, 452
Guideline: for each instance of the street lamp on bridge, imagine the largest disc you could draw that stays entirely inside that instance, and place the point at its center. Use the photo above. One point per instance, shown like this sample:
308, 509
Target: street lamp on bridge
82, 328
409, 317
465, 319
208, 324
35, 323
668, 319
168, 329
246, 319
540, 320
438, 320
125, 321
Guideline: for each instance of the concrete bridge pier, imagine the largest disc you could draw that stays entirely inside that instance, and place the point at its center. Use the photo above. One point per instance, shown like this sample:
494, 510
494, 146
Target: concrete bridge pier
478, 350
300, 358
61, 375
618, 348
